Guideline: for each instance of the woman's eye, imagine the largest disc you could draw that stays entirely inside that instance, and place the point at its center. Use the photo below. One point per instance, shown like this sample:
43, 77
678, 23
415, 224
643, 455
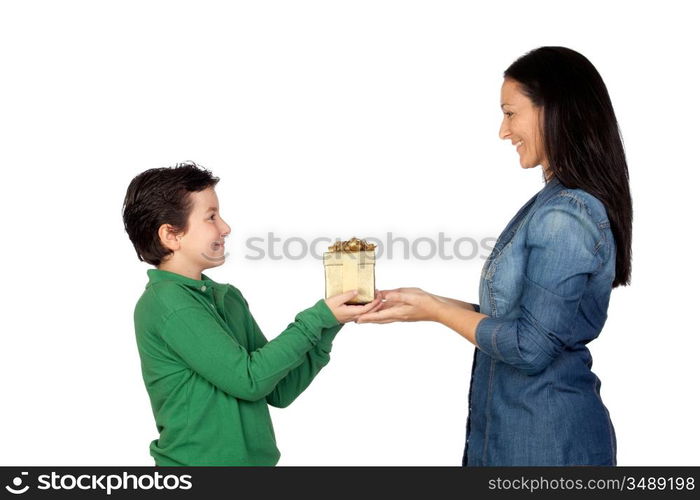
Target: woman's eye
508, 113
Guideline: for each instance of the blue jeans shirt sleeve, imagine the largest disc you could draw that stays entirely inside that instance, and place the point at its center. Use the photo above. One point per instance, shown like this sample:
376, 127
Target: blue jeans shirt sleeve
563, 242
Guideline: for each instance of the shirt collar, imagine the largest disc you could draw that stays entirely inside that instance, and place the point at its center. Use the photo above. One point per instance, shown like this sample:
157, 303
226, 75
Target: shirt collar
549, 187
156, 275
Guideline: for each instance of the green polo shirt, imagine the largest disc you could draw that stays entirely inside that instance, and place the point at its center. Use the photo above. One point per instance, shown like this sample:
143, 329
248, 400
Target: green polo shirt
210, 372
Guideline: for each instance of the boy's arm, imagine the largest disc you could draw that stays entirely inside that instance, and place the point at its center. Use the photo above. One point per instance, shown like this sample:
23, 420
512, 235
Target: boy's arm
195, 335
298, 379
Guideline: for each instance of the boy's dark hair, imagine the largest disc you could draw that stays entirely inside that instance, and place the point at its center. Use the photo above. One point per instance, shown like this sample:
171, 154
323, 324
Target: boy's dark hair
161, 196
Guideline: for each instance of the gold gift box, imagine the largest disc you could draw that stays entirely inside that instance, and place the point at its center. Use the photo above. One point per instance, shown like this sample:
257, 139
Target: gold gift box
349, 265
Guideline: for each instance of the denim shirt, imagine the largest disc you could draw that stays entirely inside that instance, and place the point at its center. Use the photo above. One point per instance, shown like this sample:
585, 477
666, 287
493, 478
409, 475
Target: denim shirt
533, 399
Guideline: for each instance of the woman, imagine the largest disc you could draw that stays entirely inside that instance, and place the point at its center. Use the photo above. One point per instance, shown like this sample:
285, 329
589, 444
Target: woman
545, 288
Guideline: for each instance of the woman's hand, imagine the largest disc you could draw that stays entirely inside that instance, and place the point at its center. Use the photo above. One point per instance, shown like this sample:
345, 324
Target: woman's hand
404, 304
344, 312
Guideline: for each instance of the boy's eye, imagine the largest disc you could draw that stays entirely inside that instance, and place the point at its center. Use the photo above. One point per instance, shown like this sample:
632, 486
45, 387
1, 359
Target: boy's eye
212, 216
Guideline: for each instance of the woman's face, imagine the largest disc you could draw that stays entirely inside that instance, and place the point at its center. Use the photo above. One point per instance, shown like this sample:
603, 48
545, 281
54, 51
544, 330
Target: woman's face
521, 125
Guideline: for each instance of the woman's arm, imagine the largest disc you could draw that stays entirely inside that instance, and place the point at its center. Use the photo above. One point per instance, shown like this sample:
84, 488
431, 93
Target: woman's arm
414, 304
460, 319
564, 244
464, 305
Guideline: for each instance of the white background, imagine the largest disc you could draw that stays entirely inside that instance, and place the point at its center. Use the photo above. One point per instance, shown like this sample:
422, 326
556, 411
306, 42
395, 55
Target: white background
286, 102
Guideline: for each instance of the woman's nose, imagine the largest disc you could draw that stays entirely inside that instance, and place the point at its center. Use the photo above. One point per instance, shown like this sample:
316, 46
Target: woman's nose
503, 133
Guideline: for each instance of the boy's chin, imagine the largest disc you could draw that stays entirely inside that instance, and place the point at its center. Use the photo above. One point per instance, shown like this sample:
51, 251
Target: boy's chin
208, 261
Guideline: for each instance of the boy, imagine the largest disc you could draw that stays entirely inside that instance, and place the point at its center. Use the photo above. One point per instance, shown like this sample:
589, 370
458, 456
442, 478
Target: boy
209, 371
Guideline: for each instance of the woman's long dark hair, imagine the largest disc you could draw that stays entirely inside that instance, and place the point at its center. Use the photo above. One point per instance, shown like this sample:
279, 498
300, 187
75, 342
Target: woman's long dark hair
582, 139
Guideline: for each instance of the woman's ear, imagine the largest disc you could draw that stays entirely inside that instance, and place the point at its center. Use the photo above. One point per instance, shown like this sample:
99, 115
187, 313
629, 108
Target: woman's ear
169, 238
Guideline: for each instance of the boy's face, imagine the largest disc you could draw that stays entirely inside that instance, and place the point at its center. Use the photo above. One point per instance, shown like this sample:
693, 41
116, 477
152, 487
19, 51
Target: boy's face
202, 245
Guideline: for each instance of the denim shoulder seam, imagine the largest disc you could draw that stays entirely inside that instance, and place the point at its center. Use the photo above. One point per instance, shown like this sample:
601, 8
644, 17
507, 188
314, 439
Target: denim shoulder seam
602, 240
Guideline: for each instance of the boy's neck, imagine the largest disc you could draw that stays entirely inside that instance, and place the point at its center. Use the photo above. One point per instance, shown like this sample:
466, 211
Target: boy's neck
173, 267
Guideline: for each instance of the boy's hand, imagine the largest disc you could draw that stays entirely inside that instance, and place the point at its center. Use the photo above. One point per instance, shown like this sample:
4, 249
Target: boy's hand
345, 313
